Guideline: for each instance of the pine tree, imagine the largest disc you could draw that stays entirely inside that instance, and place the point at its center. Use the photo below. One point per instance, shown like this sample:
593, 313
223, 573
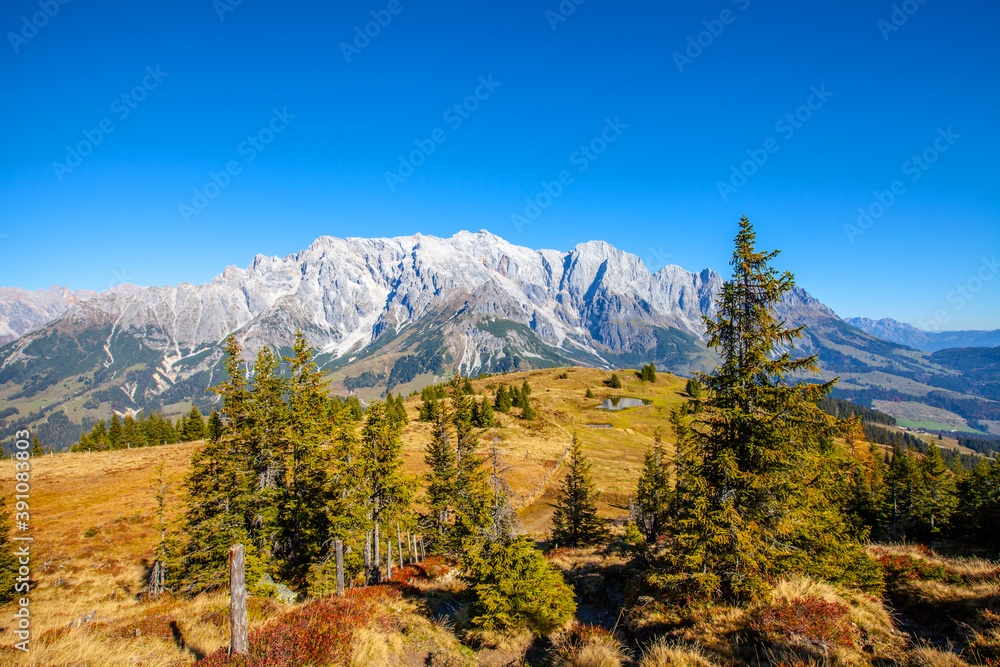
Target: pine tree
8, 561
589, 394
303, 522
115, 432
36, 446
615, 382
528, 412
936, 499
388, 489
654, 495
648, 373
525, 388
194, 425
903, 482
214, 428
576, 522
745, 513
502, 402
222, 488
484, 415
441, 482
472, 496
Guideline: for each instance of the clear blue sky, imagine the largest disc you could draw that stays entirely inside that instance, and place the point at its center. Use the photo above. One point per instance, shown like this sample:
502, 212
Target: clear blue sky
653, 191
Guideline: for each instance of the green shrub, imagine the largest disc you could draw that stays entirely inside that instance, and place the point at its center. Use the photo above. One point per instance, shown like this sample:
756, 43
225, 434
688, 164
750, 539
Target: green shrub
514, 586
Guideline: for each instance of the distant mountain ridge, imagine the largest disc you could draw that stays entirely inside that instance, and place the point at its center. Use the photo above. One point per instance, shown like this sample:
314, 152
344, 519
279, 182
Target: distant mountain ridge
926, 341
395, 314
23, 311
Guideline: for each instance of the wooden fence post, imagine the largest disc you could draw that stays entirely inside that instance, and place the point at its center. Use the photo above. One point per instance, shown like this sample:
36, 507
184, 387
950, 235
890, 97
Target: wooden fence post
388, 559
399, 543
237, 601
339, 546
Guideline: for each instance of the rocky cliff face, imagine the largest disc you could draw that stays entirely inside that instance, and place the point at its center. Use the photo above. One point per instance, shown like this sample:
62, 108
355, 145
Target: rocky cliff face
23, 311
391, 314
345, 293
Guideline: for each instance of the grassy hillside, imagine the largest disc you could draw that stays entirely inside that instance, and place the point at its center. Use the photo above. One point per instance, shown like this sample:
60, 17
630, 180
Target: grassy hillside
95, 527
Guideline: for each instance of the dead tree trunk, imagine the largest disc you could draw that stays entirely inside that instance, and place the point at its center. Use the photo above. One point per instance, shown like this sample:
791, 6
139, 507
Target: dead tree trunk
339, 546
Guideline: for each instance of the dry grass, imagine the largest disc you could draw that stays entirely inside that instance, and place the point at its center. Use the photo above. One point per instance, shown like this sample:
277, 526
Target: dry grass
662, 653
930, 657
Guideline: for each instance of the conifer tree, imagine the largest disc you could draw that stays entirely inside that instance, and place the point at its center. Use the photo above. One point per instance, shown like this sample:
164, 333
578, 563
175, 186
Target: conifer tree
525, 388
303, 522
214, 427
936, 500
654, 495
221, 488
589, 394
441, 482
502, 402
388, 489
648, 373
194, 425
745, 514
36, 446
528, 412
484, 415
132, 433
576, 522
615, 382
472, 495
903, 483
115, 432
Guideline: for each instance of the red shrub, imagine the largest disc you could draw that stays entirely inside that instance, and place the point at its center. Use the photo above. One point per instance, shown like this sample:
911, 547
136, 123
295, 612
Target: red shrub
321, 632
906, 567
809, 619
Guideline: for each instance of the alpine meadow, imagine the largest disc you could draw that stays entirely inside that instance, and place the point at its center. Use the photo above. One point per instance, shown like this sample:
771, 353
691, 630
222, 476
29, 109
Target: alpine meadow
384, 333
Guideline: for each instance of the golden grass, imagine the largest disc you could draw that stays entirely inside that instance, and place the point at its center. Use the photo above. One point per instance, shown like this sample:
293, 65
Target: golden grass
930, 657
662, 653
93, 515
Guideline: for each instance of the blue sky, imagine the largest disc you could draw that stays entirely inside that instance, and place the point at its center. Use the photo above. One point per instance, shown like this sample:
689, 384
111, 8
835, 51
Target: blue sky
665, 121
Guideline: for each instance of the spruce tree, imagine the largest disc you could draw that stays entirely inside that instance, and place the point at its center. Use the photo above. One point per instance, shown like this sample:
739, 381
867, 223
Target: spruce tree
484, 415
441, 482
615, 382
654, 495
36, 446
576, 522
214, 427
303, 521
589, 393
936, 499
194, 425
472, 495
221, 488
502, 402
115, 432
746, 514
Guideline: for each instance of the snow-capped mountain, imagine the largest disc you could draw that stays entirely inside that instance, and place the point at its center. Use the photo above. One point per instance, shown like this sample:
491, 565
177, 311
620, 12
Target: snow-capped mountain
23, 311
391, 315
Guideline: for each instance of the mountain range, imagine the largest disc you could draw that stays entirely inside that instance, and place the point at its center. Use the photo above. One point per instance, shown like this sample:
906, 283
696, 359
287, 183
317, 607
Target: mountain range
928, 341
395, 314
